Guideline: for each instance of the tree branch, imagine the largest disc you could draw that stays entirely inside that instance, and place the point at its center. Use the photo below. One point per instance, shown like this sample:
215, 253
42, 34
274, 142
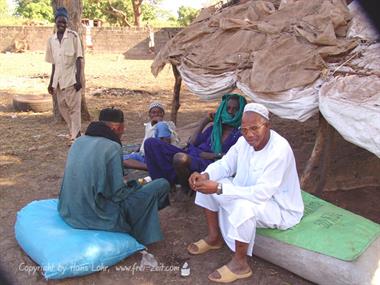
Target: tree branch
121, 14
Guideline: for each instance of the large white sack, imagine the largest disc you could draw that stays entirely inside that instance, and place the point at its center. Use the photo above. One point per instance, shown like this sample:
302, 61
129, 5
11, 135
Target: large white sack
208, 86
319, 268
351, 104
297, 103
369, 58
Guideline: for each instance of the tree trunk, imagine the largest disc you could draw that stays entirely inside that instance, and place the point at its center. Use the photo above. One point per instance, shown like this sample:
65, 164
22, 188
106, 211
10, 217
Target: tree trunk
74, 8
137, 11
176, 93
314, 175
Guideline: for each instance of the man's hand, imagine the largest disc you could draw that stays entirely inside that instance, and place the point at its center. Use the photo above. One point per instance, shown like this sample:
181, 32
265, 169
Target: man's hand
196, 177
206, 186
78, 86
50, 89
211, 116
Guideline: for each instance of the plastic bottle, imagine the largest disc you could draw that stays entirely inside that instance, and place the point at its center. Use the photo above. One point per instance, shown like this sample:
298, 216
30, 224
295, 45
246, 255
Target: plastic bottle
185, 270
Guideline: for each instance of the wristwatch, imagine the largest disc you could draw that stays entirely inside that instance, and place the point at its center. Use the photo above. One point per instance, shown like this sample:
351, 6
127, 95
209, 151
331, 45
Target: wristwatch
219, 189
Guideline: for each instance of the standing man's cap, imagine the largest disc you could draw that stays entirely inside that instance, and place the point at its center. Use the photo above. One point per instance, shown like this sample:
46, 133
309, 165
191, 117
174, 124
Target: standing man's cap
111, 115
61, 11
156, 105
257, 108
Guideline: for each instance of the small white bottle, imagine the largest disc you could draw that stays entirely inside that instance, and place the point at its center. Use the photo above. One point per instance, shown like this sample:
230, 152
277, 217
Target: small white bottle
185, 270
147, 179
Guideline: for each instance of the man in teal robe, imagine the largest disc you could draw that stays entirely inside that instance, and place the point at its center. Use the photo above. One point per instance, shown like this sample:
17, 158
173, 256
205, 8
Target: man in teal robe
93, 192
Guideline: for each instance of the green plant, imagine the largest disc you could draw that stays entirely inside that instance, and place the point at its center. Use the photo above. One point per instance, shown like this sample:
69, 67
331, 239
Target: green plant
186, 15
35, 9
3, 8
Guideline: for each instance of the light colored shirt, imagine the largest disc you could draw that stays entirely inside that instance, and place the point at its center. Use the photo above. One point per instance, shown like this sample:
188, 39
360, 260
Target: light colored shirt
64, 55
260, 176
151, 130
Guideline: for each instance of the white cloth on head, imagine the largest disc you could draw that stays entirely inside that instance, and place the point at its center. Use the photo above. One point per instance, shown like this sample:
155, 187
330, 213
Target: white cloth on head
257, 108
263, 190
156, 105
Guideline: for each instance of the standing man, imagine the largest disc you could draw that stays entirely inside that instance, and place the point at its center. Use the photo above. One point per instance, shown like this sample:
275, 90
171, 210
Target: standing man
254, 185
64, 52
151, 39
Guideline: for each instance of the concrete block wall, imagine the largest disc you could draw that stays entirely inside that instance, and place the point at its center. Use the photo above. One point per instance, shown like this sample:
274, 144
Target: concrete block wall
133, 43
36, 37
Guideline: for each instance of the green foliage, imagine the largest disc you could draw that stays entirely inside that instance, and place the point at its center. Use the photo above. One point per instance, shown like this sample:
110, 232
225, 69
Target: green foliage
3, 8
164, 23
162, 18
93, 9
186, 15
101, 9
115, 19
148, 11
35, 9
97, 9
39, 10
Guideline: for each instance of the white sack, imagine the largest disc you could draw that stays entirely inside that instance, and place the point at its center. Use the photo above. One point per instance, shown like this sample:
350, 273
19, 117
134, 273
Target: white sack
351, 105
319, 268
297, 103
208, 86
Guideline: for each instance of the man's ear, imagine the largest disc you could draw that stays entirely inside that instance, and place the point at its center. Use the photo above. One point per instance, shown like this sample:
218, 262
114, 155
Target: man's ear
114, 127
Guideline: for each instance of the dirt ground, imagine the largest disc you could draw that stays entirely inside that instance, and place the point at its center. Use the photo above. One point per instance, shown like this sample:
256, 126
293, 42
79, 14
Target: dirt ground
33, 152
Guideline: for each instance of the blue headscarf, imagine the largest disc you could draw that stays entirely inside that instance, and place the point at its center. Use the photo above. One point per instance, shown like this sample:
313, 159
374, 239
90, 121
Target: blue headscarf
223, 117
61, 11
162, 130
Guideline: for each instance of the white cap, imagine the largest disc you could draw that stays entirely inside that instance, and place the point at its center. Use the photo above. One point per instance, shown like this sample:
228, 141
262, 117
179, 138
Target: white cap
257, 108
156, 105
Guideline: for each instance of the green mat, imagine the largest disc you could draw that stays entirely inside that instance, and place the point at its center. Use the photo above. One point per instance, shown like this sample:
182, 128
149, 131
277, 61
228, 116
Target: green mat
328, 229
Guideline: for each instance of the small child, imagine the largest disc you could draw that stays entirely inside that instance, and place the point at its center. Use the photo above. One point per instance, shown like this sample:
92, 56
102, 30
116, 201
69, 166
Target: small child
158, 128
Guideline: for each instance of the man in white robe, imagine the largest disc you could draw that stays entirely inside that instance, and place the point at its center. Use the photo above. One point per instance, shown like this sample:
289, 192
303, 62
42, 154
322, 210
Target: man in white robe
254, 185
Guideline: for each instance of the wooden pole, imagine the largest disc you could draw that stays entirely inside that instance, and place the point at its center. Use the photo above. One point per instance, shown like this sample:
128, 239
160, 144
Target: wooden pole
176, 93
314, 175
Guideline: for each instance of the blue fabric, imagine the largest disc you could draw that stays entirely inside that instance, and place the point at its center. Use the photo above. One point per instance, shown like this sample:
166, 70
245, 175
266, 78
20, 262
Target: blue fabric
63, 251
203, 142
61, 11
92, 199
159, 155
135, 156
162, 130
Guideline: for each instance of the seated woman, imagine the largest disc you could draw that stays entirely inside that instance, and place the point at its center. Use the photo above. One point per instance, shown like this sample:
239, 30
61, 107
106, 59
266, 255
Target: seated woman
175, 164
156, 112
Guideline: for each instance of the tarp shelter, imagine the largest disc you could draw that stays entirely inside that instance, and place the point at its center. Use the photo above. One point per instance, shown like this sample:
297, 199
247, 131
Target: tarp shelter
293, 57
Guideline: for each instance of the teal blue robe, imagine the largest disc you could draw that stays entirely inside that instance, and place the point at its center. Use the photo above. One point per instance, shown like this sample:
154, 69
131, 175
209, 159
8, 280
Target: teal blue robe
94, 195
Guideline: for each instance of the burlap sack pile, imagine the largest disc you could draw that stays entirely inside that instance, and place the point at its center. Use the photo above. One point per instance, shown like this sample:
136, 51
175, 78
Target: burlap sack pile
268, 49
